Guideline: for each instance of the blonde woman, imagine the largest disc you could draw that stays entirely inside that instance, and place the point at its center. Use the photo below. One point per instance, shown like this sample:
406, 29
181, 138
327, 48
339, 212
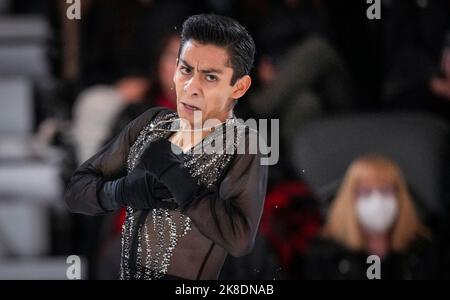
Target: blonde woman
373, 214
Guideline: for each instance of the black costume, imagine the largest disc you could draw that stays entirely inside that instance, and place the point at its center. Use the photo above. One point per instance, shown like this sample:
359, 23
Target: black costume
216, 205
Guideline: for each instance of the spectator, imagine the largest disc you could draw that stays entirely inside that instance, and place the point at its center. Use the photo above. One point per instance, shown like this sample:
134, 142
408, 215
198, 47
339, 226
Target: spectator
373, 213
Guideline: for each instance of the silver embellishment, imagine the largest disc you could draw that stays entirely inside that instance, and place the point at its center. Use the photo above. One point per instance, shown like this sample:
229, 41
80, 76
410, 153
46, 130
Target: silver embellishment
159, 234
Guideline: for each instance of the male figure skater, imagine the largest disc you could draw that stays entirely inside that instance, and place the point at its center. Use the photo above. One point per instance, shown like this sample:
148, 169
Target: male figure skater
186, 207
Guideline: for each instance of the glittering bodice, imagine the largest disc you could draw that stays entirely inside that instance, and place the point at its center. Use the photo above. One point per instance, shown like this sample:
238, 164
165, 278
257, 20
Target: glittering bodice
149, 237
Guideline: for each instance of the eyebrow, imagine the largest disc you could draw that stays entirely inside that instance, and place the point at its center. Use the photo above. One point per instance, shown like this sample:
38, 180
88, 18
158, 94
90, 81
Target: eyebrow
210, 70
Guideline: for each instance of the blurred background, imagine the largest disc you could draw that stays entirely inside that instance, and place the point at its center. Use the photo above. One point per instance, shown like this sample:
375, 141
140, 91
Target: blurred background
342, 85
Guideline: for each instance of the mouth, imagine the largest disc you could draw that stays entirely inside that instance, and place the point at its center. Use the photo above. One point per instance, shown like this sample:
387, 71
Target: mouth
190, 107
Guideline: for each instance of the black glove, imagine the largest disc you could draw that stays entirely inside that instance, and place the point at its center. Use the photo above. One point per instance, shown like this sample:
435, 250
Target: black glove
166, 166
139, 190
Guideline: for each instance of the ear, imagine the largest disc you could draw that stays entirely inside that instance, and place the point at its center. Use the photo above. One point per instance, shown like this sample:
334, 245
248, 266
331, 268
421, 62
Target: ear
241, 86
175, 73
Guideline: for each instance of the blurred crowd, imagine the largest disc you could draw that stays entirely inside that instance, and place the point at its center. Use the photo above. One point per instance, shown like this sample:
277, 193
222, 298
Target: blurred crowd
349, 183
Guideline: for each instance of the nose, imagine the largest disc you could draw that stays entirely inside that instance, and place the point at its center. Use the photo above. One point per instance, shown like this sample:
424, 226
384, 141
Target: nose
192, 87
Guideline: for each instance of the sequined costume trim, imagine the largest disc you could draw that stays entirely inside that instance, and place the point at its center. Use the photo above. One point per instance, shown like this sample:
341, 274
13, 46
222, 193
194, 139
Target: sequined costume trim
149, 238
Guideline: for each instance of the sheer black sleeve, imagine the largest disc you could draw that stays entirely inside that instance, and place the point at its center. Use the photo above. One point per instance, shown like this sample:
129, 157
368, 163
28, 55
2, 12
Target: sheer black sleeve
109, 163
230, 216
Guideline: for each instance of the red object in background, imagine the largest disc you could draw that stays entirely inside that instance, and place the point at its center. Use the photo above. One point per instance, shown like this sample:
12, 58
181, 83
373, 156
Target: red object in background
290, 220
119, 220
165, 102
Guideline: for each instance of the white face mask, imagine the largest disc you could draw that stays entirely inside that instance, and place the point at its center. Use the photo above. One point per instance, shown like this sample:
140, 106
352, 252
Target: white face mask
377, 211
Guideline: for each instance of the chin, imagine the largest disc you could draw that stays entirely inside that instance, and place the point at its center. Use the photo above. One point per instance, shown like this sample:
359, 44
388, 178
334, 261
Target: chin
183, 116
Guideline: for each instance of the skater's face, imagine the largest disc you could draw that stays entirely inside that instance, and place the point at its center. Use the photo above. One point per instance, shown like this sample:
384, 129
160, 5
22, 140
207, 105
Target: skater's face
203, 83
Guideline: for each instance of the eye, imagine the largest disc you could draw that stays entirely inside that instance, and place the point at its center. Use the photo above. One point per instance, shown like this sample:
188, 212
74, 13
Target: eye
363, 191
387, 190
185, 70
211, 78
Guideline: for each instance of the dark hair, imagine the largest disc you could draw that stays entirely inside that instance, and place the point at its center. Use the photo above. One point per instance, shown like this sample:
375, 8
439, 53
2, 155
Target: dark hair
223, 32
